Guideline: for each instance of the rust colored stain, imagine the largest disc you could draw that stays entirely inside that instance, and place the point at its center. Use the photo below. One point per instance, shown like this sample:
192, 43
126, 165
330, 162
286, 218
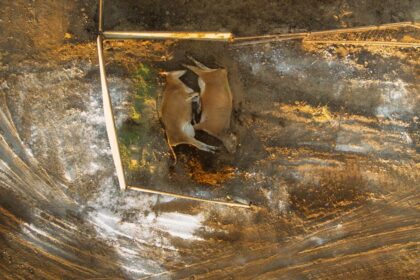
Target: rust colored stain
211, 178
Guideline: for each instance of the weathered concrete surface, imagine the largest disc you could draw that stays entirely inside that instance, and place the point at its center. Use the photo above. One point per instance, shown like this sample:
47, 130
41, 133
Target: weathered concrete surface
329, 151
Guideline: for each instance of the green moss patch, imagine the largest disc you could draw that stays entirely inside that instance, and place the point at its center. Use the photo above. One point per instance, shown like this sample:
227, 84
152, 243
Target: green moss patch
133, 134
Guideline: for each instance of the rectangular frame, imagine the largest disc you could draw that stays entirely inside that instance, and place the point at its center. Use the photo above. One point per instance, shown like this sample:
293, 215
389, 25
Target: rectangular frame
107, 104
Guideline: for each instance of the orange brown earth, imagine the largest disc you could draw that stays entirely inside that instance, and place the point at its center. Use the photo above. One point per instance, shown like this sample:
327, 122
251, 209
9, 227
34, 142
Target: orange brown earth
328, 146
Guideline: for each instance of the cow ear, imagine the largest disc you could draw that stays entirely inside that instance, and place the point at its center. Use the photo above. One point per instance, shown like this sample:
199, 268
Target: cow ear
178, 73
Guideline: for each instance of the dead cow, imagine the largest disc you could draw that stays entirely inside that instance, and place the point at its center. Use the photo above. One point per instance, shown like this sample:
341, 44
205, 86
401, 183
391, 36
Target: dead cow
176, 113
216, 103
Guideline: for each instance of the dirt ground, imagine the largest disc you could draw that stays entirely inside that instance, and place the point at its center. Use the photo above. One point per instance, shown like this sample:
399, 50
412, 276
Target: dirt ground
328, 146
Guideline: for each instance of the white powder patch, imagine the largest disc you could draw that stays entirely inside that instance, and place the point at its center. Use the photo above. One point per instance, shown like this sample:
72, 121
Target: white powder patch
407, 139
395, 99
127, 223
93, 168
277, 198
362, 149
350, 141
38, 236
91, 130
180, 225
392, 98
128, 240
317, 240
255, 68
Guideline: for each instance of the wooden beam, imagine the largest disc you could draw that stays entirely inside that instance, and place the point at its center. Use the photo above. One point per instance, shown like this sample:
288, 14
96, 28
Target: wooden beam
109, 117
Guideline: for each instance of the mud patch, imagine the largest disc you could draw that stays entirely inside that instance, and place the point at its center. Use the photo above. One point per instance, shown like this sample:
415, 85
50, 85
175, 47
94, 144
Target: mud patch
329, 192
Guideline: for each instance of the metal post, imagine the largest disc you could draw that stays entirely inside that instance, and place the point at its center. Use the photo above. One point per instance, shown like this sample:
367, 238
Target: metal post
101, 19
365, 43
234, 204
243, 41
163, 35
109, 117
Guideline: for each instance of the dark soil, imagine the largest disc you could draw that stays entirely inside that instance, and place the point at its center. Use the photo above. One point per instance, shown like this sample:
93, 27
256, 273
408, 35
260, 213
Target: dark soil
328, 146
